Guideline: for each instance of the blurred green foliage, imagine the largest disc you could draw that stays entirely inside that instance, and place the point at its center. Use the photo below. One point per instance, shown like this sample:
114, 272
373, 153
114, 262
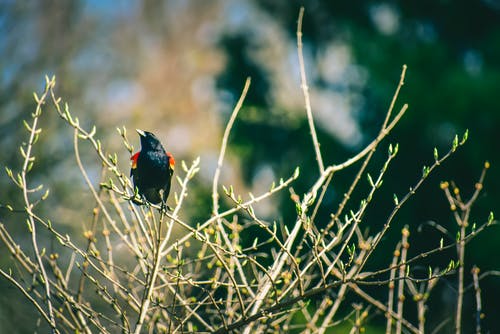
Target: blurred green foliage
452, 49
453, 55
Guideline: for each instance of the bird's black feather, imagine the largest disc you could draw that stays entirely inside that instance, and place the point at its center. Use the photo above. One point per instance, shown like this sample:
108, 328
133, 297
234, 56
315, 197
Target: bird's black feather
152, 169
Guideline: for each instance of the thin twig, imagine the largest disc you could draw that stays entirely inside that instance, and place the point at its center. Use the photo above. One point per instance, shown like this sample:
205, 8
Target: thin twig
402, 274
28, 161
225, 138
462, 220
27, 295
390, 297
477, 289
305, 91
460, 292
215, 184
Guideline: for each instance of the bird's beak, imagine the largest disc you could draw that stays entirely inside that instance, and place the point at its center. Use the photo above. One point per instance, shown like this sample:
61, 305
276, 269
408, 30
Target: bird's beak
140, 132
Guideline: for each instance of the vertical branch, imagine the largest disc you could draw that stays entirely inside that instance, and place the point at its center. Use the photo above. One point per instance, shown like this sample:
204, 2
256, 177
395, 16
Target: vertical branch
230, 291
215, 192
477, 289
395, 96
305, 91
460, 288
462, 219
266, 284
333, 310
225, 138
148, 291
341, 293
159, 252
360, 318
390, 297
383, 308
402, 273
421, 295
97, 197
90, 240
384, 128
27, 165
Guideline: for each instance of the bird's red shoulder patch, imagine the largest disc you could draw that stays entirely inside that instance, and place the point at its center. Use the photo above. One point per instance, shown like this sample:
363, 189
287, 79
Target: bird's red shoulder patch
134, 160
171, 160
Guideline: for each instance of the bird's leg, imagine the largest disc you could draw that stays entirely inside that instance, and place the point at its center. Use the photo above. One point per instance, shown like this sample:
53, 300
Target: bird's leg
164, 207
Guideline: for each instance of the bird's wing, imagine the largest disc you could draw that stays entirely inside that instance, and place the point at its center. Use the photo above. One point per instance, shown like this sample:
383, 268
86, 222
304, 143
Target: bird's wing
171, 163
134, 163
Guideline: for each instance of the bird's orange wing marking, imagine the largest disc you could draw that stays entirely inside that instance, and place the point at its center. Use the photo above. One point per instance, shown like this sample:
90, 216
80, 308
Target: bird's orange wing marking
134, 160
171, 160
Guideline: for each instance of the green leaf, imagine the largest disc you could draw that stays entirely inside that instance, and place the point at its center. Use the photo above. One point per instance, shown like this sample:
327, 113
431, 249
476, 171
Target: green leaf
8, 171
23, 153
27, 126
396, 149
296, 173
92, 132
425, 171
491, 217
465, 137
298, 208
287, 231
455, 144
370, 180
342, 266
28, 223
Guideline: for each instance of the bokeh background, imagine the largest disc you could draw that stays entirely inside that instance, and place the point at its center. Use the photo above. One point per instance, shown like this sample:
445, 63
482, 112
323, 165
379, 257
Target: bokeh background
176, 68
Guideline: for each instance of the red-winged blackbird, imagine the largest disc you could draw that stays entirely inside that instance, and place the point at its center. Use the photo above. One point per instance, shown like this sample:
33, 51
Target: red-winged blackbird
152, 169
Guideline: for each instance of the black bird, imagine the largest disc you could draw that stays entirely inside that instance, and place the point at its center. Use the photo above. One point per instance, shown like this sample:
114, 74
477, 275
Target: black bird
152, 169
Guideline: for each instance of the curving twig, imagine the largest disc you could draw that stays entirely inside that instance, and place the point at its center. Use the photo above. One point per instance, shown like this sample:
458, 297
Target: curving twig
27, 164
305, 91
